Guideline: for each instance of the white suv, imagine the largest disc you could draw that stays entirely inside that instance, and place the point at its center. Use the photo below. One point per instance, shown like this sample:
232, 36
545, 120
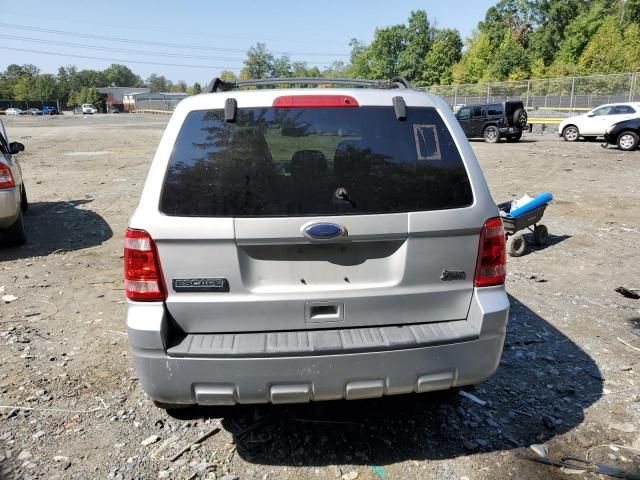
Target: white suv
595, 123
307, 244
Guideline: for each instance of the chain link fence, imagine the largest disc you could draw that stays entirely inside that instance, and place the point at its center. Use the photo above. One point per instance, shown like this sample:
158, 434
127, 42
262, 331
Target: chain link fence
567, 93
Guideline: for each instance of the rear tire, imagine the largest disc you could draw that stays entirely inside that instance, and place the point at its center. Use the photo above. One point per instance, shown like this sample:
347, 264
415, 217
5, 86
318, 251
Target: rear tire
540, 234
24, 202
15, 235
491, 134
514, 138
628, 141
520, 118
571, 133
517, 245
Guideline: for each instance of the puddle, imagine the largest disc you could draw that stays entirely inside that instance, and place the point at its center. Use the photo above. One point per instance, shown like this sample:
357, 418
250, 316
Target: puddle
85, 154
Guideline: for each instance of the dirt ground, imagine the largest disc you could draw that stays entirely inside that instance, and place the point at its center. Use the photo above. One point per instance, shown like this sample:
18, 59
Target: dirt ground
566, 378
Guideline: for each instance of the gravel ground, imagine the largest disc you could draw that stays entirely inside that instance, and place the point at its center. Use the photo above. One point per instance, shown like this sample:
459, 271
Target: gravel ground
72, 408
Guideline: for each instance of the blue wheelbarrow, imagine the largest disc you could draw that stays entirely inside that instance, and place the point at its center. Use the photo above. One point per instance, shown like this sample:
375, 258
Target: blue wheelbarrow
526, 217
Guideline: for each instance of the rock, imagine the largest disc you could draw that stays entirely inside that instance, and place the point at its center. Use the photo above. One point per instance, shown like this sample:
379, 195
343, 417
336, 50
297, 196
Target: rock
40, 393
337, 473
63, 461
39, 434
469, 445
164, 474
229, 476
352, 475
623, 427
540, 449
24, 455
150, 440
636, 443
202, 468
9, 298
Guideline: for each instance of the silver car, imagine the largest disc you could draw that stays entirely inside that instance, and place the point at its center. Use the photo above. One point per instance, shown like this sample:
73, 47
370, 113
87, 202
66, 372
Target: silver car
13, 195
305, 244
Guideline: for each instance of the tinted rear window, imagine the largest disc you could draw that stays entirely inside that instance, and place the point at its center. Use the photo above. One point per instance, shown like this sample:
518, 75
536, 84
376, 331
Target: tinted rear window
317, 161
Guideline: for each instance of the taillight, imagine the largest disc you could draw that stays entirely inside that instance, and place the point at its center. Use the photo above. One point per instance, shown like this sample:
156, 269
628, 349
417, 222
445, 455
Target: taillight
142, 274
315, 101
491, 268
6, 179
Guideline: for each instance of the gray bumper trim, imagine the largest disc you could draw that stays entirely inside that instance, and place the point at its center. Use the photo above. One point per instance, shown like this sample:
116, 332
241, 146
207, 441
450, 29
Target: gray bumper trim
323, 342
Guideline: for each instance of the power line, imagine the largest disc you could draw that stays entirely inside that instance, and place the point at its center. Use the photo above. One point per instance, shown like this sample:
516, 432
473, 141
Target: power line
209, 67
160, 44
138, 52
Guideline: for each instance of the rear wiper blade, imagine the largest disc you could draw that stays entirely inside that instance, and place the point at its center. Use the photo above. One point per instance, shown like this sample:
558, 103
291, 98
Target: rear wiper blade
342, 196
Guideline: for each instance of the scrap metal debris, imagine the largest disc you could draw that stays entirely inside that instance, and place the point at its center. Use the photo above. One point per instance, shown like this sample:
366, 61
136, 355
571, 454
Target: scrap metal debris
628, 293
578, 464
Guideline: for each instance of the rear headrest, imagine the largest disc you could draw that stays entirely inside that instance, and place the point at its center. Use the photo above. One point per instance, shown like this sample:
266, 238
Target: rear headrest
308, 162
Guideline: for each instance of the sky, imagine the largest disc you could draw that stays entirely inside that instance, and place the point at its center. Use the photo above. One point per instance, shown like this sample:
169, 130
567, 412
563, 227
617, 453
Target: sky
200, 39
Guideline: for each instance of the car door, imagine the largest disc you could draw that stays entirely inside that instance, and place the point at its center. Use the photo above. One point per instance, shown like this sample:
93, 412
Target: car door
464, 118
597, 121
479, 115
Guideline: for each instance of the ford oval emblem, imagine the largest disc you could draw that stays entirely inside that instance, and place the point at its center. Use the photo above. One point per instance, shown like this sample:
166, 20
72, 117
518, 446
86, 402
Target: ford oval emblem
323, 231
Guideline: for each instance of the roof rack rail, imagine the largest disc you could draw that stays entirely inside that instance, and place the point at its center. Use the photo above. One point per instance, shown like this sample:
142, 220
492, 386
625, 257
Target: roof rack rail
219, 85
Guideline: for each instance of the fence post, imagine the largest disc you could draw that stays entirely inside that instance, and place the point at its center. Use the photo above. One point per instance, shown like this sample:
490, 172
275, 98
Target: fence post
528, 90
455, 95
571, 99
634, 78
488, 91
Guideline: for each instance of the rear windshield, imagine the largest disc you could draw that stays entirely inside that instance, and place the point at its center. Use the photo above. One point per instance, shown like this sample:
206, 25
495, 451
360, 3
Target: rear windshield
317, 161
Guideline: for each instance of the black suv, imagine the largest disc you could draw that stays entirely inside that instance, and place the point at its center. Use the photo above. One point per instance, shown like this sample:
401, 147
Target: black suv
493, 121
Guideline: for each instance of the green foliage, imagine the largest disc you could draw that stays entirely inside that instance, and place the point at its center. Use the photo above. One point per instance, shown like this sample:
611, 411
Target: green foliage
445, 52
259, 62
605, 51
475, 65
227, 76
510, 59
158, 83
121, 76
418, 40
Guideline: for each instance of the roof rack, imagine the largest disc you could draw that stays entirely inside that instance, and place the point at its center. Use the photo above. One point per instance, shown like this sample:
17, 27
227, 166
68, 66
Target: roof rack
219, 85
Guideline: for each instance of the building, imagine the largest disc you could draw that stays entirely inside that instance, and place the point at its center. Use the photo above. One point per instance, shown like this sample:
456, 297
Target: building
152, 100
114, 96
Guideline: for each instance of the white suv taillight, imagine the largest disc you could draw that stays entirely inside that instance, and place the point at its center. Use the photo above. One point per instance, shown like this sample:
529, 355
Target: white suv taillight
142, 274
6, 179
491, 268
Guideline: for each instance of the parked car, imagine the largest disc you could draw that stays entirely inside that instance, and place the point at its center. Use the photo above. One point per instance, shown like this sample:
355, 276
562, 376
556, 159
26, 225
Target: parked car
493, 121
88, 109
13, 194
593, 124
626, 134
294, 245
49, 110
34, 111
14, 111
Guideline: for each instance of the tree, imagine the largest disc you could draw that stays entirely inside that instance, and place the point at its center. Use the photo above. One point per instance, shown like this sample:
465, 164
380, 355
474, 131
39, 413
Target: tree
45, 87
259, 62
24, 88
418, 38
227, 76
510, 60
385, 50
121, 76
178, 87
280, 67
196, 89
360, 64
578, 34
598, 57
446, 51
475, 64
157, 83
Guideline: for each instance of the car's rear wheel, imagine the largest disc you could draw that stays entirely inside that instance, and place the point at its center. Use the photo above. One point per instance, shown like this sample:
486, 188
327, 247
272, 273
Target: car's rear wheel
628, 141
24, 202
571, 133
491, 134
15, 235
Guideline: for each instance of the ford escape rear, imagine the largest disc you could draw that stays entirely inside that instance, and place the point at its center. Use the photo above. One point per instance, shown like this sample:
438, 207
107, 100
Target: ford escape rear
299, 244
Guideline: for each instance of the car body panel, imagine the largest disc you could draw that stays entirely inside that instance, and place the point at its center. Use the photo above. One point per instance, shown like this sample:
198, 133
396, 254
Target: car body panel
595, 123
385, 274
9, 197
614, 131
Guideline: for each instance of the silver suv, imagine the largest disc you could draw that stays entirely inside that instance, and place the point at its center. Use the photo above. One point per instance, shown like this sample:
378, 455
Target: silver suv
13, 194
299, 244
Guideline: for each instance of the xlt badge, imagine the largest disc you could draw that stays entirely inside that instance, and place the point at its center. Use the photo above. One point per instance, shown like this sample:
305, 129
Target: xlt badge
200, 285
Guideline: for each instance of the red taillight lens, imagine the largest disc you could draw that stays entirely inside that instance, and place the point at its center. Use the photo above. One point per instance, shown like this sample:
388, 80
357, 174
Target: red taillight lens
142, 274
491, 268
6, 179
315, 101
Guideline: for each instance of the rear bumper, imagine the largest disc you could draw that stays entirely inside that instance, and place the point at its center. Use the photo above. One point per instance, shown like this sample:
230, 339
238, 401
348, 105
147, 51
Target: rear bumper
301, 377
9, 206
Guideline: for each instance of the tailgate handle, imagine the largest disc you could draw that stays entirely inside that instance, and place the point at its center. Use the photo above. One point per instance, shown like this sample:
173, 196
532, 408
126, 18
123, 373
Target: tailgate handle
318, 312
